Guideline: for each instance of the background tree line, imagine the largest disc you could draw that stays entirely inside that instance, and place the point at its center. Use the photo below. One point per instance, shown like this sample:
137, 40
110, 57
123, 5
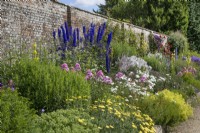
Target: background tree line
158, 15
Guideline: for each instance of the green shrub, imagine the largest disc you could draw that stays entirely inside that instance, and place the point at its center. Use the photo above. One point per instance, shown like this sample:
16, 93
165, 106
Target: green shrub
152, 45
178, 40
156, 64
119, 49
15, 114
189, 78
166, 108
66, 121
46, 85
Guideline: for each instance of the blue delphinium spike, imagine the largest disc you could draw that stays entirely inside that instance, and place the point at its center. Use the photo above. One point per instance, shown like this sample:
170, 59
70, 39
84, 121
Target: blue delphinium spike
78, 37
74, 38
109, 40
67, 31
98, 34
102, 31
70, 31
107, 63
54, 34
84, 29
59, 33
64, 34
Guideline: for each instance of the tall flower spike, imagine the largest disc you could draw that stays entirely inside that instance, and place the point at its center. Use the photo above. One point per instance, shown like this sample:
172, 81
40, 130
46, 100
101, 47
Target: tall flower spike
67, 31
102, 31
98, 34
74, 38
70, 31
107, 63
78, 36
109, 41
59, 33
54, 34
64, 34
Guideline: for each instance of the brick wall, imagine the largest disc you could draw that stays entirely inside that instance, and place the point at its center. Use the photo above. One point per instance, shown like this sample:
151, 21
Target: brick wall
31, 21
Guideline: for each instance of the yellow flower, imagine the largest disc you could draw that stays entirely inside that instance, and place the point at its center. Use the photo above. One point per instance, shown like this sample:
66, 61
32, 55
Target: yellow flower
79, 97
107, 126
101, 106
81, 121
94, 107
134, 126
34, 52
34, 45
99, 128
109, 102
111, 126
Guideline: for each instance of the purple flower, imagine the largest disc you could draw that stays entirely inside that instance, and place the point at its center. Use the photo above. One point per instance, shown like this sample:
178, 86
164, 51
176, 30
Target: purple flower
42, 110
107, 80
100, 74
65, 67
89, 75
143, 79
119, 75
77, 67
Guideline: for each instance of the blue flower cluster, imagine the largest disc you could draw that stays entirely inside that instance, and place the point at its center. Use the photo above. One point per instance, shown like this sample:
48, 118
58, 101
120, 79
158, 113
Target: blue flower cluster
69, 38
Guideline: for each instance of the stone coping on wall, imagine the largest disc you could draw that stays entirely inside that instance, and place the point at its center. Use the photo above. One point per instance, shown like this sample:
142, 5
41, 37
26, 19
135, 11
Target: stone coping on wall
95, 14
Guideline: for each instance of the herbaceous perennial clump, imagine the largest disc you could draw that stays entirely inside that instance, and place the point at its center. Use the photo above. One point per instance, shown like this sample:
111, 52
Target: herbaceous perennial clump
70, 44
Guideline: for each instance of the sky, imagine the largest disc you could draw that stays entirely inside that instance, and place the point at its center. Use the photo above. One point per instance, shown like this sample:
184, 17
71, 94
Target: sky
88, 5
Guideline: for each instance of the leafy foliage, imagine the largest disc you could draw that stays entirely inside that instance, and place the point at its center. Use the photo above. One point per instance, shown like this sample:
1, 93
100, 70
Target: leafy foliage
179, 41
66, 121
161, 107
46, 85
157, 15
193, 33
15, 114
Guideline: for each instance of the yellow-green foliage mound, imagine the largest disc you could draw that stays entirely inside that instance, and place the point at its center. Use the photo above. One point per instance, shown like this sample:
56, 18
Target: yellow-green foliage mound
166, 107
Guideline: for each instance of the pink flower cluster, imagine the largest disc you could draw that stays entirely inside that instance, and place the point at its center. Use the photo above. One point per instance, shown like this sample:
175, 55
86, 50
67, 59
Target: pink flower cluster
119, 76
143, 78
89, 75
99, 77
65, 67
187, 70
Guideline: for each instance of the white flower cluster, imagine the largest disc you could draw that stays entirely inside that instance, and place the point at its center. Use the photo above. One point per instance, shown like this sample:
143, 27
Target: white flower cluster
127, 62
142, 84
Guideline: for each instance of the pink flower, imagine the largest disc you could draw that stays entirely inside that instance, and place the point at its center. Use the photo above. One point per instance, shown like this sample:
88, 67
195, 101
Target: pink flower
119, 75
89, 75
65, 67
143, 79
77, 67
107, 80
100, 74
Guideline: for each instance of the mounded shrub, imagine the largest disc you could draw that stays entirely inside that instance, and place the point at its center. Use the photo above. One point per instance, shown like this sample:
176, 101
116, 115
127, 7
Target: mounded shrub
66, 121
122, 49
177, 39
166, 108
47, 85
15, 114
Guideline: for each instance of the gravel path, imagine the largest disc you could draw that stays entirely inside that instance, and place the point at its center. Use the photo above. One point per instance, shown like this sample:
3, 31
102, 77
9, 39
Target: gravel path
190, 126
